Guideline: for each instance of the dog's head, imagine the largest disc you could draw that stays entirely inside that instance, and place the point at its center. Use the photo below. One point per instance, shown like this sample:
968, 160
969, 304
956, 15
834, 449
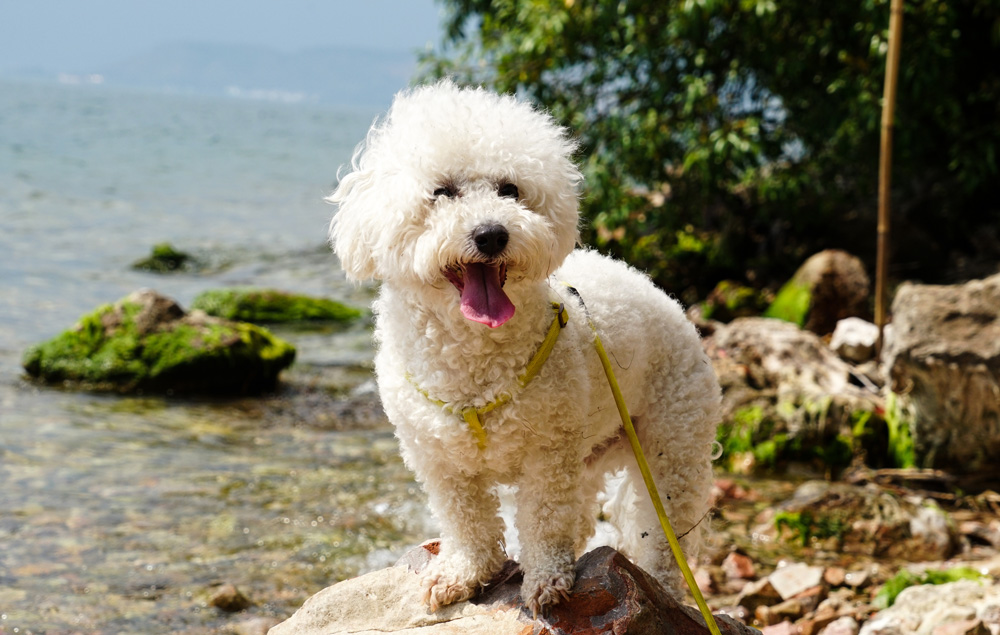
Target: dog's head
459, 191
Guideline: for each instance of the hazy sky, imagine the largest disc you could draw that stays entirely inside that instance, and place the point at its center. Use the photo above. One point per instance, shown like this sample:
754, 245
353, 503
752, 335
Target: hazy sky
81, 35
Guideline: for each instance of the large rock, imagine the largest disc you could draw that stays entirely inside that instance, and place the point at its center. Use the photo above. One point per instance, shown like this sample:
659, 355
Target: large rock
829, 286
942, 356
922, 610
147, 342
785, 391
611, 595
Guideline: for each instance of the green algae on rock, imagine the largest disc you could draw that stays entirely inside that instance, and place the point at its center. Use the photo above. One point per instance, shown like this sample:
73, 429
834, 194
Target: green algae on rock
165, 259
147, 342
271, 306
828, 287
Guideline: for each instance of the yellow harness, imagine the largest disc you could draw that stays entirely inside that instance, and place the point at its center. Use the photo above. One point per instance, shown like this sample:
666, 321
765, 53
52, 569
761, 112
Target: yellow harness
471, 416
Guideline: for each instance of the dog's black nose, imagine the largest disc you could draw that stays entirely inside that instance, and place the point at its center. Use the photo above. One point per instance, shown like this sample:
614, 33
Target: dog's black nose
490, 239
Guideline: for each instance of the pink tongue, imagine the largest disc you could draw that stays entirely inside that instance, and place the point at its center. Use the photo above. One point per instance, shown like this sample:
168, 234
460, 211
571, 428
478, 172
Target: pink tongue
483, 300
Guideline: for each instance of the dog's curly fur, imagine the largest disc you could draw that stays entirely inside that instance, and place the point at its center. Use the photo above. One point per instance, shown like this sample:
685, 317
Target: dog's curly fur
459, 184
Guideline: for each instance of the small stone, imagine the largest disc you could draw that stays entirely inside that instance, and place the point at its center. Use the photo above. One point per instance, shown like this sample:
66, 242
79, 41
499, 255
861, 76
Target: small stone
962, 627
811, 597
857, 579
795, 578
815, 624
834, 576
417, 558
783, 628
255, 626
758, 593
703, 578
738, 566
789, 610
854, 339
229, 599
845, 625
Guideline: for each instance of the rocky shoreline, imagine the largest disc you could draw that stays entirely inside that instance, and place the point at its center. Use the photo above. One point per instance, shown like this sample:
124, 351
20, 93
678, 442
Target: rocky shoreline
860, 472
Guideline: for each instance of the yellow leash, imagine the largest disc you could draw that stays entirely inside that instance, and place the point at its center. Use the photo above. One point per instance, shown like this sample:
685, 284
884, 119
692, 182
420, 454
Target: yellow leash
647, 476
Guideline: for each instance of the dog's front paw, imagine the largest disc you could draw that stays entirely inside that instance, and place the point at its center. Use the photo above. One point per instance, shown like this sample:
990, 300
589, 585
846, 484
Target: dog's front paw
444, 583
542, 590
441, 591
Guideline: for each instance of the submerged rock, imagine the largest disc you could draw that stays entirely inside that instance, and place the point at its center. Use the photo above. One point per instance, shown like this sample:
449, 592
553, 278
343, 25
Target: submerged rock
229, 599
147, 342
271, 306
829, 286
943, 361
165, 259
610, 595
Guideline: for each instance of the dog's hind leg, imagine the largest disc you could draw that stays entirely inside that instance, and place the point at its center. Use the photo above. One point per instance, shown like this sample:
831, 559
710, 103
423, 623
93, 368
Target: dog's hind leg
682, 471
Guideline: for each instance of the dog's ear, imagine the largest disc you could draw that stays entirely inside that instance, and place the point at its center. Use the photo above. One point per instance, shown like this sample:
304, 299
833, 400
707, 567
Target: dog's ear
353, 234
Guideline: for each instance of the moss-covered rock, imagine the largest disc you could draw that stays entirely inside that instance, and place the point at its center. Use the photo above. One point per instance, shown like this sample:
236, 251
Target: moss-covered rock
147, 342
271, 306
828, 287
788, 398
165, 259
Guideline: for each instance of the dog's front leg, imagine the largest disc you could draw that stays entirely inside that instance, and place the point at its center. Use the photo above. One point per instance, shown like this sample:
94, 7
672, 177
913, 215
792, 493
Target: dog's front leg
471, 538
548, 513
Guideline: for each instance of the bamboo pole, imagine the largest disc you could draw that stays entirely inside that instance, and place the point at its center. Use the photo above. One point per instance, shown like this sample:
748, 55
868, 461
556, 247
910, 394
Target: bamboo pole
885, 163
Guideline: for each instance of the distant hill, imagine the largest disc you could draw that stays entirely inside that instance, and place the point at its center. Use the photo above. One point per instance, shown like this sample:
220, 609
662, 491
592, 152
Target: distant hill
338, 76
348, 77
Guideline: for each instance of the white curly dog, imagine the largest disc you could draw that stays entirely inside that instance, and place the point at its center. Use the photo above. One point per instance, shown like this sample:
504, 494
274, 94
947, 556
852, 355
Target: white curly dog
463, 204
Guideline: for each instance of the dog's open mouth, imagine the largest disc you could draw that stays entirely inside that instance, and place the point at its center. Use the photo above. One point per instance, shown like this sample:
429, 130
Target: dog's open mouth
481, 287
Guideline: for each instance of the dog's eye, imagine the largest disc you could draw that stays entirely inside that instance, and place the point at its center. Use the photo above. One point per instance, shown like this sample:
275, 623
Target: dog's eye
446, 190
507, 190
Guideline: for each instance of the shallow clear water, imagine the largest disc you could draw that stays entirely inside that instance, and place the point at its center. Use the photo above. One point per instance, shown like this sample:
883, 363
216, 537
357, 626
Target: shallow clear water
123, 514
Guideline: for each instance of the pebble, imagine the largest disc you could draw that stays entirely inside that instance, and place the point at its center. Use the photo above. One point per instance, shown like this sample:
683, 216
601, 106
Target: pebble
845, 625
229, 599
857, 579
815, 624
793, 579
738, 566
788, 610
834, 576
758, 593
783, 628
255, 626
963, 627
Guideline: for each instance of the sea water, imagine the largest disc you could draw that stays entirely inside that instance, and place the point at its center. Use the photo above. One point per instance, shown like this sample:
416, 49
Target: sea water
123, 513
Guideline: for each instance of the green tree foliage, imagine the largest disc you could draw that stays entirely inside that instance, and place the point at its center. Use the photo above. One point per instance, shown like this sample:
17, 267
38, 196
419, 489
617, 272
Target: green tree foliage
731, 138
